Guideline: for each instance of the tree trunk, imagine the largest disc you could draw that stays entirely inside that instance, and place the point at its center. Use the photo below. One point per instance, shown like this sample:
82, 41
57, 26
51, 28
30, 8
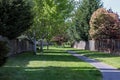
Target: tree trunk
35, 50
47, 45
87, 45
41, 46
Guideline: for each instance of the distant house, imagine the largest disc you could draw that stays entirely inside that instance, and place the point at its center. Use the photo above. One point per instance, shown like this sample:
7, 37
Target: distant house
59, 39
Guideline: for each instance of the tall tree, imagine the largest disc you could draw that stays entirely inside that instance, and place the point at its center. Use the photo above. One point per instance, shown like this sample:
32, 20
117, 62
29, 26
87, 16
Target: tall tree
82, 18
15, 18
50, 16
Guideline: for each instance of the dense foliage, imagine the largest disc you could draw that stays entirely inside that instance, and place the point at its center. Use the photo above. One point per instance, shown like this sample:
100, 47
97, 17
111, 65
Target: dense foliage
104, 24
15, 17
49, 19
50, 16
82, 17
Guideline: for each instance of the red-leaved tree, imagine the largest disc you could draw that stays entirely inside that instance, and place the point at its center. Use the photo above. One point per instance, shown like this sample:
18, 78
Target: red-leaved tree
104, 24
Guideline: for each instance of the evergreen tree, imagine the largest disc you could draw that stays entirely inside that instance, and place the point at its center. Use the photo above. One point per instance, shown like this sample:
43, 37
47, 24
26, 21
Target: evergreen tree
82, 17
15, 17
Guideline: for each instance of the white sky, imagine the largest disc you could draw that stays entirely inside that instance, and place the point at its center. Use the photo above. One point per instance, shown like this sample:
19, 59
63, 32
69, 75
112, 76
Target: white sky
113, 4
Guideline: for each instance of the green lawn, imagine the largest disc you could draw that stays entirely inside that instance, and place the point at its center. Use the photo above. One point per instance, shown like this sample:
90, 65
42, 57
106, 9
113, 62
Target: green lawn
104, 57
54, 64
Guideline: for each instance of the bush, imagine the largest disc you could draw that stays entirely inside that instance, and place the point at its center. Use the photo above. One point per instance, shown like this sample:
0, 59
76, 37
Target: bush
3, 52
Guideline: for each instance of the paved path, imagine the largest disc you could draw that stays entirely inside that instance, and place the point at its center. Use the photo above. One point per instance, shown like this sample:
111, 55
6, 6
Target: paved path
108, 72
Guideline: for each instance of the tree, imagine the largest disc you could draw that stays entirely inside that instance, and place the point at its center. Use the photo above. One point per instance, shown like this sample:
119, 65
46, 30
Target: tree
50, 16
72, 33
59, 39
42, 12
105, 24
82, 17
15, 17
60, 18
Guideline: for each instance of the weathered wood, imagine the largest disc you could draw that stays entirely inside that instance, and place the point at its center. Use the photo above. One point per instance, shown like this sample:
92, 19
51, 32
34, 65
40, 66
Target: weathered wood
111, 46
18, 46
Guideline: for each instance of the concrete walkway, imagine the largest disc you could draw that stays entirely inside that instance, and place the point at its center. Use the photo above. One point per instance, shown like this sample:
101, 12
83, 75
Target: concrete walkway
108, 72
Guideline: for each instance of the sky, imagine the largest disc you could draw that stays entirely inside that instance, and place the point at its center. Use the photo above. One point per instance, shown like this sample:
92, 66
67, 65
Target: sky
113, 4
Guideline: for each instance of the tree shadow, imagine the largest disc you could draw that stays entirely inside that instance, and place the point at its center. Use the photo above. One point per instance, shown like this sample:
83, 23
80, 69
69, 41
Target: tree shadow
50, 73
52, 55
18, 67
94, 54
52, 51
100, 54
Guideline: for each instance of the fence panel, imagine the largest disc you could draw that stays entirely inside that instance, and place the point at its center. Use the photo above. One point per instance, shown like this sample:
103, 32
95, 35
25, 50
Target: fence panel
108, 45
18, 46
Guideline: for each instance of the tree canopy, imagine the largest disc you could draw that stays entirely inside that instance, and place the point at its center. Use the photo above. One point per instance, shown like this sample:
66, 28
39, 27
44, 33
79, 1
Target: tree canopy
15, 17
105, 24
82, 17
49, 18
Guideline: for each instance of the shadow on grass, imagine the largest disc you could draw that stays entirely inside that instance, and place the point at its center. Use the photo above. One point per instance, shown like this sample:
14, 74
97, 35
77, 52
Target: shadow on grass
49, 55
100, 55
95, 54
17, 67
49, 73
51, 51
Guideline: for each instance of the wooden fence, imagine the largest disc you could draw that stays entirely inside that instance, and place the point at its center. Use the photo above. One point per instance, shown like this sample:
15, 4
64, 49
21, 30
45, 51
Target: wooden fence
18, 46
108, 45
111, 46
